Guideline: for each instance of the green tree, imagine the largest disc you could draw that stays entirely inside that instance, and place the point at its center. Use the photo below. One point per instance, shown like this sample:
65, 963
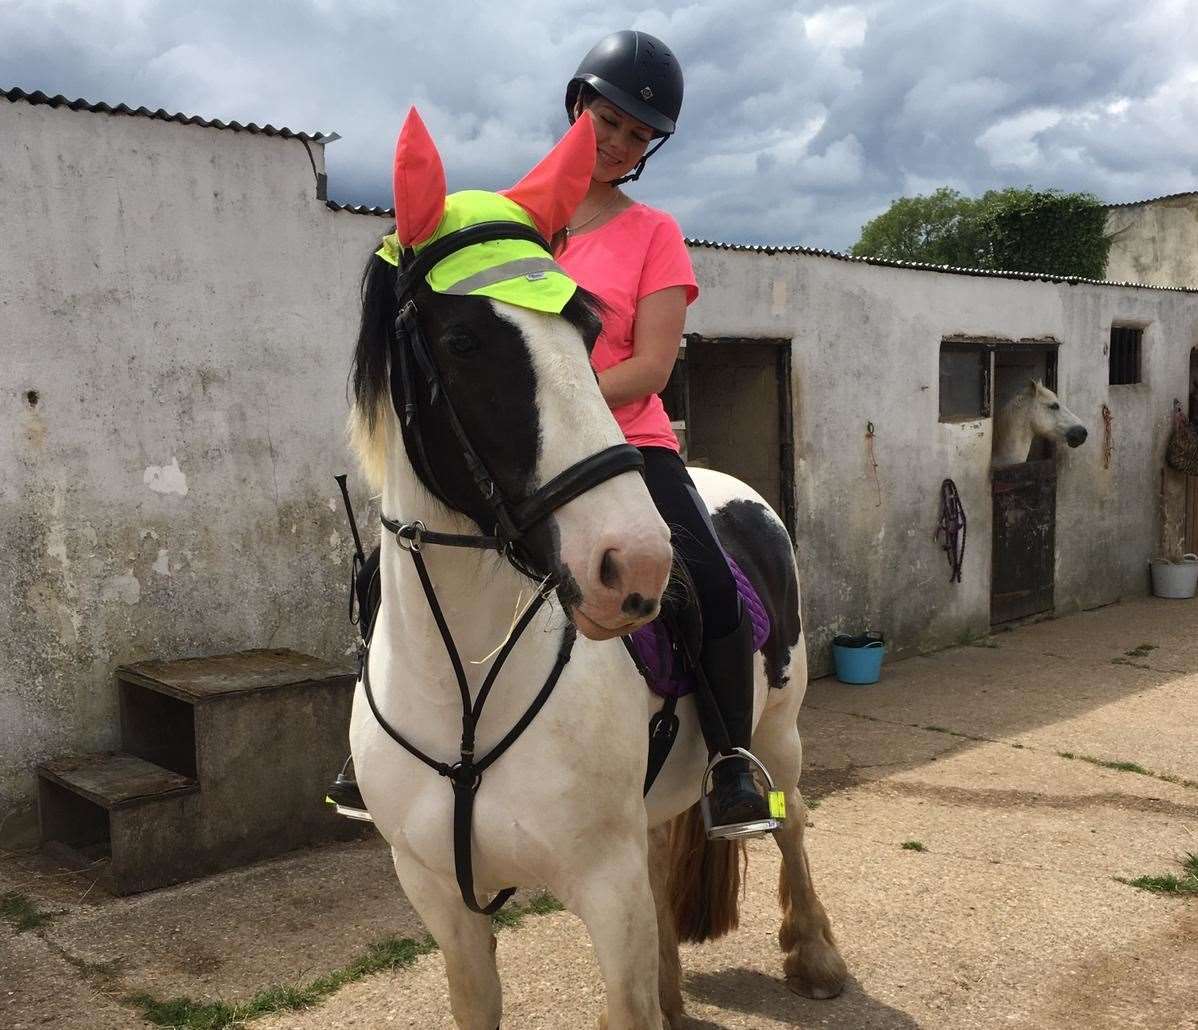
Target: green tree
938, 229
1021, 230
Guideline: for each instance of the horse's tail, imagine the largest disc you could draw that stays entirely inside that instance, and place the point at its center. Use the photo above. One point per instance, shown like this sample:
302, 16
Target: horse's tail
705, 878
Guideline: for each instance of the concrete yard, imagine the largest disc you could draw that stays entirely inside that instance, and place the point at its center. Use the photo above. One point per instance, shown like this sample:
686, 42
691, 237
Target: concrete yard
1013, 915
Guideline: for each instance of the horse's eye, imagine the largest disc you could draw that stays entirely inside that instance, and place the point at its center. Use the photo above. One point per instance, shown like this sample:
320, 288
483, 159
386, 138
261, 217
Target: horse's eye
461, 343
1054, 407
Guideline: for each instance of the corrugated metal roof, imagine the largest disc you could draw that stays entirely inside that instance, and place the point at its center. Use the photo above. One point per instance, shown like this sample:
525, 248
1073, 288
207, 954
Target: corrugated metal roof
362, 209
921, 266
835, 255
1153, 200
16, 94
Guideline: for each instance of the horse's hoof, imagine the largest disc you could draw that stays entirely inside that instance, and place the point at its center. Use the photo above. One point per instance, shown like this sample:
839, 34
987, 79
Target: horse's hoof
815, 991
818, 973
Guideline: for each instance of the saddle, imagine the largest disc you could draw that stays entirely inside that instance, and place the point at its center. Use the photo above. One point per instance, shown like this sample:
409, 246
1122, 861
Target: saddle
666, 650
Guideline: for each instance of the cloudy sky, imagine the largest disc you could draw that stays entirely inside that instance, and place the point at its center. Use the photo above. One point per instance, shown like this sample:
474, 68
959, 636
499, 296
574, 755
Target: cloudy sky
802, 120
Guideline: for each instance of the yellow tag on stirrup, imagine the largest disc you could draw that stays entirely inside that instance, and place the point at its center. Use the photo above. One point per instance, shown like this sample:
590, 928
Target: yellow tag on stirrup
777, 803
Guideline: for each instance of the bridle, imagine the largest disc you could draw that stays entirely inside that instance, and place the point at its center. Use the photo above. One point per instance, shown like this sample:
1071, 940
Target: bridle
513, 520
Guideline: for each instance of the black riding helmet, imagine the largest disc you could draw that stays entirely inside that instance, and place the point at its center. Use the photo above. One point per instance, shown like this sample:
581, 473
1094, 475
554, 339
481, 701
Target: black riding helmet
640, 75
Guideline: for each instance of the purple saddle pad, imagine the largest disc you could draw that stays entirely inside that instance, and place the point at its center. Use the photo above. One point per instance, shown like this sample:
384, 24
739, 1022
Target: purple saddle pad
652, 642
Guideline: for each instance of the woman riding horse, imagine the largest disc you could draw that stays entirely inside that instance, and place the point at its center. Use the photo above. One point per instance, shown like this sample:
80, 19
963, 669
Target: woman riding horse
634, 258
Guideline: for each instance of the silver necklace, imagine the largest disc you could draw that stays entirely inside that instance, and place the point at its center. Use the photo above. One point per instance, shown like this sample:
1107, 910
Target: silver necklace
572, 229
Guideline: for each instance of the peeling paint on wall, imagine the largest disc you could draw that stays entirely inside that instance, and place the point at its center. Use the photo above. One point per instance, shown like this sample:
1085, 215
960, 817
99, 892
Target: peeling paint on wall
166, 479
162, 566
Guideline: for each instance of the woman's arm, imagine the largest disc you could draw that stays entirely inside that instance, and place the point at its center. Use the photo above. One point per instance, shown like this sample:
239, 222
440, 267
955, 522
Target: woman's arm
656, 337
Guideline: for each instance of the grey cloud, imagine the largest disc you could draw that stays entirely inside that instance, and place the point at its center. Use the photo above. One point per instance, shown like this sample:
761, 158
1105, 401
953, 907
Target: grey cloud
801, 120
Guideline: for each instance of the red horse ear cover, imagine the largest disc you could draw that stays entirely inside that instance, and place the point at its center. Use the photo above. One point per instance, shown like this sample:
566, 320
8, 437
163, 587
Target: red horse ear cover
552, 191
419, 183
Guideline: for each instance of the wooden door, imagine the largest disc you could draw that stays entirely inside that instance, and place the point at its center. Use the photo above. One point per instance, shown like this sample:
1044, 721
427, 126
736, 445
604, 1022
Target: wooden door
1024, 550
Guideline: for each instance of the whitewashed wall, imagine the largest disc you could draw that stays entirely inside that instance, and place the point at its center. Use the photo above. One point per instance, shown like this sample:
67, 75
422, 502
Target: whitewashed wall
1154, 242
183, 308
866, 349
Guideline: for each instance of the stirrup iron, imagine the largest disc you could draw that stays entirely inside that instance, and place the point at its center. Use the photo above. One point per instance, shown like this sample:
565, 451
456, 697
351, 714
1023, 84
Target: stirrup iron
349, 811
775, 798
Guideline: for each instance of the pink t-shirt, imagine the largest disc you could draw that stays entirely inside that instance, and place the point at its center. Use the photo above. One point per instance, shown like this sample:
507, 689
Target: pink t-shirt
637, 253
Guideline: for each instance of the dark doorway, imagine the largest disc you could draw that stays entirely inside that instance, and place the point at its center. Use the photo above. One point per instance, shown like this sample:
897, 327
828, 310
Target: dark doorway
1023, 553
730, 402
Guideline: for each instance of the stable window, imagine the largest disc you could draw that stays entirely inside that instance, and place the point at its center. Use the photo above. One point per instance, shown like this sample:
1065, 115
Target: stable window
964, 381
1124, 355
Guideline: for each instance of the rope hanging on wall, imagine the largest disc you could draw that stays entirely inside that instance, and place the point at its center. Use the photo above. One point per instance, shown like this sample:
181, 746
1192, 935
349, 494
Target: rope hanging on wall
873, 460
1107, 419
951, 528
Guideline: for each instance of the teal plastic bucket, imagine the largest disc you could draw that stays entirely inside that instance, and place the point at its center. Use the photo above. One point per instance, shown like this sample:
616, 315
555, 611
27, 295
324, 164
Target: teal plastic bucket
858, 659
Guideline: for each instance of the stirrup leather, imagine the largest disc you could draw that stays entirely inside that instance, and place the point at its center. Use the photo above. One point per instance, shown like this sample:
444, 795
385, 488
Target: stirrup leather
755, 827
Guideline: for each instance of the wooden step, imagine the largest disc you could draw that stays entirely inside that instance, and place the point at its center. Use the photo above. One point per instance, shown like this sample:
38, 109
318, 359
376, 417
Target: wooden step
114, 779
197, 680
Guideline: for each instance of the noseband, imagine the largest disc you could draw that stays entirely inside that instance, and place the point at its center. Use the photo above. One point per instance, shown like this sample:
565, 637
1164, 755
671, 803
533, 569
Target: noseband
513, 521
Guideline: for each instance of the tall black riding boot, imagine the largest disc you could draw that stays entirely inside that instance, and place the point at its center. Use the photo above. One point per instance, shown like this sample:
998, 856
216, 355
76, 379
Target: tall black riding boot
728, 666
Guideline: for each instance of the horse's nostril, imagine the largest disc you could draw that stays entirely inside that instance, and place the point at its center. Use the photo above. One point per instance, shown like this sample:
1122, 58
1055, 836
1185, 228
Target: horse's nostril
609, 573
638, 606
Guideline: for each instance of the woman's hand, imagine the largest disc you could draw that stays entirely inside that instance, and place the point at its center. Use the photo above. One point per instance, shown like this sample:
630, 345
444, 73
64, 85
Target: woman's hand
656, 338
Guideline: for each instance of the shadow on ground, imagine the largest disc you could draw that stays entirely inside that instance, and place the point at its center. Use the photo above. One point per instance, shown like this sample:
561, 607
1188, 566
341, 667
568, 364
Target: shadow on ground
756, 994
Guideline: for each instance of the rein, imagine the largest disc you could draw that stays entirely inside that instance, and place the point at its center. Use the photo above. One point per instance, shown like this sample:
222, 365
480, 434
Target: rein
513, 521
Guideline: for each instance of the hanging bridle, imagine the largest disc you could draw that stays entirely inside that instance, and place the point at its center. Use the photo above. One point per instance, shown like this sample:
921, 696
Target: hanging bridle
513, 521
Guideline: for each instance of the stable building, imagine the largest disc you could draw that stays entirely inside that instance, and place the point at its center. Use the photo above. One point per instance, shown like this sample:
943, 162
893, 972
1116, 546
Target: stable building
179, 317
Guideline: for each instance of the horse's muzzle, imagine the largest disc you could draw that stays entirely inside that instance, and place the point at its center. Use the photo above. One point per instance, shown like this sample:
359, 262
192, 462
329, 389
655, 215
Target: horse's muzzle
1076, 436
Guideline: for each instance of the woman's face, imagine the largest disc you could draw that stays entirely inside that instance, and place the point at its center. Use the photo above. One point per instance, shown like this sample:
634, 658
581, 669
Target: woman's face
621, 140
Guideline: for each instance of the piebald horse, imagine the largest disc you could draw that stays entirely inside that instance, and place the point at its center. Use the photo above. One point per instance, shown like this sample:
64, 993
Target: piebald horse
1035, 411
563, 807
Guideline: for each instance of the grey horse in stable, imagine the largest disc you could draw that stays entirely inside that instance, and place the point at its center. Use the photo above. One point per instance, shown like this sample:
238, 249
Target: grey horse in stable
1035, 411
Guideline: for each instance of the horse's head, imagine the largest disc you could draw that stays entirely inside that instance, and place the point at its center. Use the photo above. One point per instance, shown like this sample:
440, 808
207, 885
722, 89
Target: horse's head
489, 387
1048, 417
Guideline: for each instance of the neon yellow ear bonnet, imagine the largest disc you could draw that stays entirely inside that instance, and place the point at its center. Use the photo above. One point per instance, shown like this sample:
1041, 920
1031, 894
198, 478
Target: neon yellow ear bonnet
516, 271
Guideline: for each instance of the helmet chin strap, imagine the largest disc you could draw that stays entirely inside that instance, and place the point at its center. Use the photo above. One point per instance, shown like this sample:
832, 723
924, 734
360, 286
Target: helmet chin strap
640, 165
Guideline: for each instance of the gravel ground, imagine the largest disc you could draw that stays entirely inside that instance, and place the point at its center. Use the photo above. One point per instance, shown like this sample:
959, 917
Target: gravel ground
1011, 916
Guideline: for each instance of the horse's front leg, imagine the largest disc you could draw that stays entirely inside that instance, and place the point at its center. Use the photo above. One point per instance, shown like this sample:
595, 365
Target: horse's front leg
814, 966
615, 901
464, 938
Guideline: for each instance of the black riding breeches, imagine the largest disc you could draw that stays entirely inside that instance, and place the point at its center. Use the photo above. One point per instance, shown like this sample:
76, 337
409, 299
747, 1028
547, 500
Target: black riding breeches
694, 538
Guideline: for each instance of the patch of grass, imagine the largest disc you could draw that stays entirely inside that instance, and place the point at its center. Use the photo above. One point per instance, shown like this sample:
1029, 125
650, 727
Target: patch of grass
511, 916
913, 845
1140, 651
812, 803
186, 1014
1182, 886
1118, 766
392, 953
1131, 767
22, 912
